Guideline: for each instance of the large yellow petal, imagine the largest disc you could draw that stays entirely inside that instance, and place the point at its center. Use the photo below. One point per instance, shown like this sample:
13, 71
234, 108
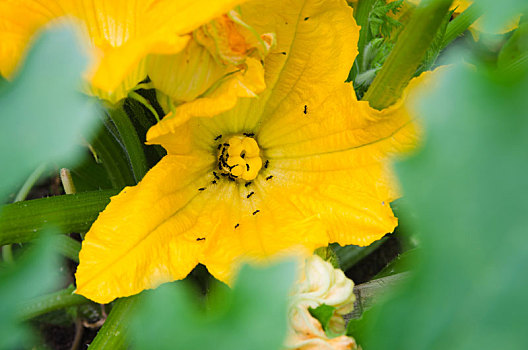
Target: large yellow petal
260, 229
148, 233
240, 83
336, 161
316, 47
121, 33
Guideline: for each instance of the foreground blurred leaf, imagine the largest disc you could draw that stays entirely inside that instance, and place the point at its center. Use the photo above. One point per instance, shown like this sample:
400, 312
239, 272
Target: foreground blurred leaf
500, 15
41, 111
253, 316
34, 274
468, 190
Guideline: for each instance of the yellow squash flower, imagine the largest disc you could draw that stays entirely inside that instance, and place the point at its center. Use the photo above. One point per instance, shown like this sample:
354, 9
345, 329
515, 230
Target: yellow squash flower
302, 165
121, 34
221, 63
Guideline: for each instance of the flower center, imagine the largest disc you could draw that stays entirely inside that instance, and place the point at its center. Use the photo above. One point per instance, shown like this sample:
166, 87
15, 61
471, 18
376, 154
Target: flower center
239, 157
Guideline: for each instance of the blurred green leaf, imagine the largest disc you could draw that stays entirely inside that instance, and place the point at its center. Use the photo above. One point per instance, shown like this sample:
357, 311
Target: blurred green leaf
498, 15
253, 316
34, 274
42, 112
467, 187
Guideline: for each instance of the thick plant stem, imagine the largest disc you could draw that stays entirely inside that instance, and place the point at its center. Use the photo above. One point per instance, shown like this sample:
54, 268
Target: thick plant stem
461, 23
407, 54
23, 221
114, 333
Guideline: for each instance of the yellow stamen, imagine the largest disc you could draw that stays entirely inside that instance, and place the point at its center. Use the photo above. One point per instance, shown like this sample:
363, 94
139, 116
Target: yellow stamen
240, 157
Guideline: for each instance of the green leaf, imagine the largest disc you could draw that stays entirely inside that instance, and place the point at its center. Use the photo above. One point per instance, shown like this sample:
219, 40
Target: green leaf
42, 113
467, 187
350, 255
23, 221
33, 274
323, 313
252, 316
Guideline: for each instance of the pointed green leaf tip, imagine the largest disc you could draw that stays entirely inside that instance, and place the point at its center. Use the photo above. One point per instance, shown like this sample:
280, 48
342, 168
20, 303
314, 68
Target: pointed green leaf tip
252, 316
323, 313
42, 111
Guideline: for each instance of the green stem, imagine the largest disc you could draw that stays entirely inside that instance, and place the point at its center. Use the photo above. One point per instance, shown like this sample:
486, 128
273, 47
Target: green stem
29, 183
461, 23
131, 142
68, 247
112, 156
23, 221
7, 254
114, 333
135, 96
51, 302
407, 54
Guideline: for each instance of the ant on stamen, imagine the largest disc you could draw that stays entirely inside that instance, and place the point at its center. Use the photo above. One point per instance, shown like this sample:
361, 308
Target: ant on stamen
237, 225
249, 134
200, 239
218, 137
250, 194
305, 109
247, 184
256, 211
213, 182
266, 164
247, 166
269, 177
201, 189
